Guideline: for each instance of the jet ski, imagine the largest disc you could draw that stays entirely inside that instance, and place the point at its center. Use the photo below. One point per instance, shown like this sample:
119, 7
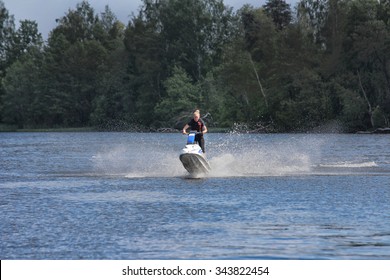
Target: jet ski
193, 158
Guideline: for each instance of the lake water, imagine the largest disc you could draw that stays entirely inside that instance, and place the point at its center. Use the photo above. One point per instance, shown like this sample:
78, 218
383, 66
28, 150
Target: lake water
127, 196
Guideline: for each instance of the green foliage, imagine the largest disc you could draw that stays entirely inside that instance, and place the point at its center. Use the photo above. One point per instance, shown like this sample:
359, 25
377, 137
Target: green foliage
79, 25
182, 97
114, 101
263, 67
308, 104
22, 92
7, 31
279, 11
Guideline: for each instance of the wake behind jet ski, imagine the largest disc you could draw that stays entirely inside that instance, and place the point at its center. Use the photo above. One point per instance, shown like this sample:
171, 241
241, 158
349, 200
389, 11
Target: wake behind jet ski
192, 157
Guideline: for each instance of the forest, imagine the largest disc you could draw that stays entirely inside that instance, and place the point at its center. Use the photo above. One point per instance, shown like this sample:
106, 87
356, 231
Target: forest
273, 68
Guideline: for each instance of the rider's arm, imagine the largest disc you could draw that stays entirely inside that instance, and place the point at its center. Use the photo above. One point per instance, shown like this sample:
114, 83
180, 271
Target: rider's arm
185, 128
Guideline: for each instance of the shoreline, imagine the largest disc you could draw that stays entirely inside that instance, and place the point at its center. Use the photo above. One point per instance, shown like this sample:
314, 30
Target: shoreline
172, 130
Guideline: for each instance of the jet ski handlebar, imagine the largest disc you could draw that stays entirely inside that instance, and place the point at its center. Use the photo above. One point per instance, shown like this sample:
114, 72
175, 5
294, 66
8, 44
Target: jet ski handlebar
193, 132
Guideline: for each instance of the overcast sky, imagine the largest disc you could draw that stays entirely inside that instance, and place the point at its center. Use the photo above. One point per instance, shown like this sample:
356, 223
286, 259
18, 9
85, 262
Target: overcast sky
45, 12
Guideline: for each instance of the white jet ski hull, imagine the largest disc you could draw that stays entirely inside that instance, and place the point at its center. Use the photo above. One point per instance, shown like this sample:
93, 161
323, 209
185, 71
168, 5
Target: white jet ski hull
193, 160
195, 164
192, 157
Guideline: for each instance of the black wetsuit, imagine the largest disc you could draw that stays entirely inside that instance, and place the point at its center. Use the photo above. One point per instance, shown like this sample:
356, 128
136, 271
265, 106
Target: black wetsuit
198, 127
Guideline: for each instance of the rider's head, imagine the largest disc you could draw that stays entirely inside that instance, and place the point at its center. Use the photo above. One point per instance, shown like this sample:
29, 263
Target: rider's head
196, 115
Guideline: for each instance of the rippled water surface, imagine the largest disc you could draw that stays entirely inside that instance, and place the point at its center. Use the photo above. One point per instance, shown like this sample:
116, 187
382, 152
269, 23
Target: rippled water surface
127, 196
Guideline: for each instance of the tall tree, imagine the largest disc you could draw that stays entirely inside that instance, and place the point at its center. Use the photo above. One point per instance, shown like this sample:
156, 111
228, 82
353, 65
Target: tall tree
367, 49
147, 66
79, 24
312, 15
192, 32
76, 50
279, 11
7, 30
22, 91
169, 33
26, 36
182, 97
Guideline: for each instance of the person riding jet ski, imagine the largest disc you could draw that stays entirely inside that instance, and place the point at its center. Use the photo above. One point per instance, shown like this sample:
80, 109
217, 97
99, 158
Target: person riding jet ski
197, 124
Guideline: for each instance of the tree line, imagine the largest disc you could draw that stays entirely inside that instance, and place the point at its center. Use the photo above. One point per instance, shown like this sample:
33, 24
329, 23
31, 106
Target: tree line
270, 68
